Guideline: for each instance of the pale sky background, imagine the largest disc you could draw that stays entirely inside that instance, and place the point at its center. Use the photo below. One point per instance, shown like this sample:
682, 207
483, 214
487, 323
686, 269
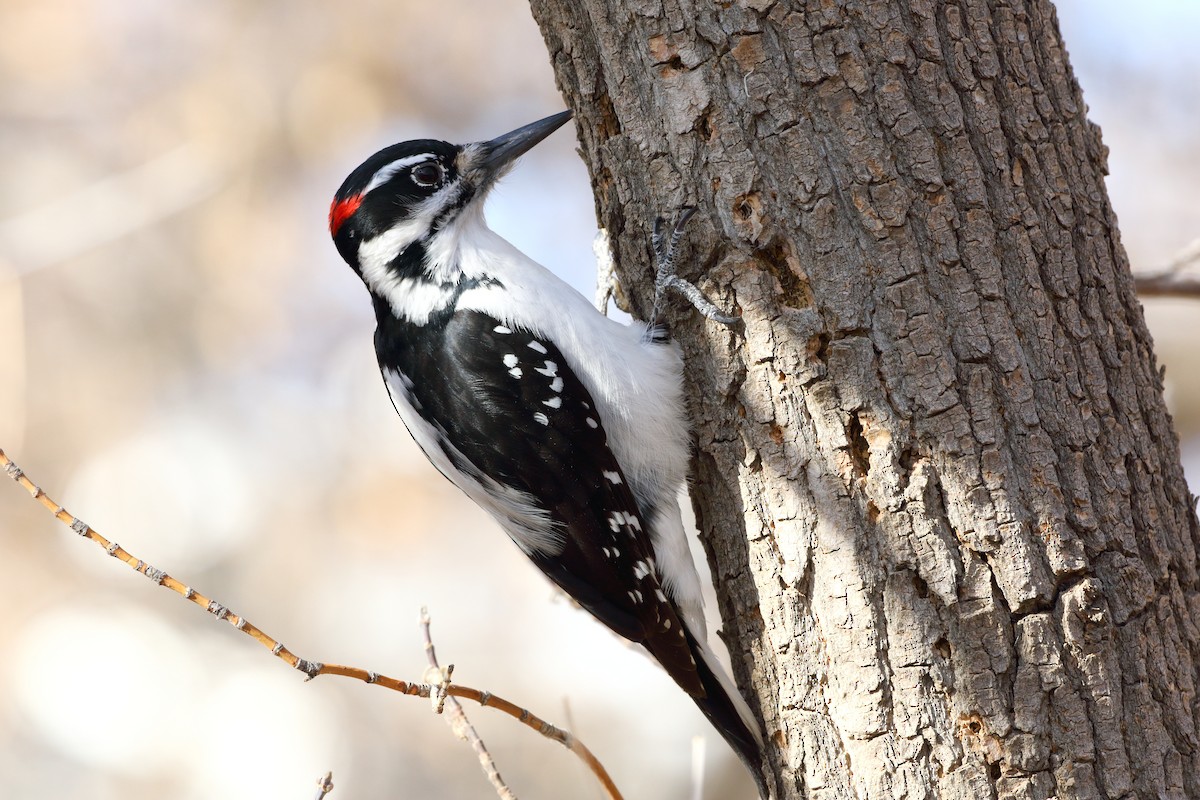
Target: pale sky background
187, 365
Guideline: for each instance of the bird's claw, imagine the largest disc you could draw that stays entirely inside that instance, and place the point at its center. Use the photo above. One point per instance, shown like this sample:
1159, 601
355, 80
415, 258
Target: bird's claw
665, 275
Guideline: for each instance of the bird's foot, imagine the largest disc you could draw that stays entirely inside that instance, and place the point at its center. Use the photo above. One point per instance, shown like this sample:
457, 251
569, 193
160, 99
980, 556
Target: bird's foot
666, 278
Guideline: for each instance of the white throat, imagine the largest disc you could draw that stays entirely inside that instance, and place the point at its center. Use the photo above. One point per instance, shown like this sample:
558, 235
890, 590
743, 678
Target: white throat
448, 254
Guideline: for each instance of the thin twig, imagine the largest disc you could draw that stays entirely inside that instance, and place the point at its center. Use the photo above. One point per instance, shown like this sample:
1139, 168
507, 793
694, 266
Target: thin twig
324, 785
457, 718
311, 668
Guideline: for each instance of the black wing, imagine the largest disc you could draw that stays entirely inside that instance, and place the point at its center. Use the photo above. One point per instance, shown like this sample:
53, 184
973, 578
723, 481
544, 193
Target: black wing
508, 402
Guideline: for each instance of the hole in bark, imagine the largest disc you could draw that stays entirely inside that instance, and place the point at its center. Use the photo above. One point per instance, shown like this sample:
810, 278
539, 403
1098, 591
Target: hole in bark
777, 434
974, 727
906, 460
942, 648
604, 185
672, 66
609, 123
994, 771
873, 514
860, 451
704, 126
920, 586
786, 269
818, 347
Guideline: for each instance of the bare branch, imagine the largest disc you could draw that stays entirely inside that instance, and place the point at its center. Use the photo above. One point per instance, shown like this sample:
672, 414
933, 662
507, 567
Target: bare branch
1179, 278
457, 718
311, 668
1168, 284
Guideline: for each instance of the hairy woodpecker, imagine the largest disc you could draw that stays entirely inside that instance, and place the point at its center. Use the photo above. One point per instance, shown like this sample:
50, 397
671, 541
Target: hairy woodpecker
564, 425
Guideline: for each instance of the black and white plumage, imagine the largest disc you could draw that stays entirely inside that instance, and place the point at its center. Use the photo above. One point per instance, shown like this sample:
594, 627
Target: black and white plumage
566, 426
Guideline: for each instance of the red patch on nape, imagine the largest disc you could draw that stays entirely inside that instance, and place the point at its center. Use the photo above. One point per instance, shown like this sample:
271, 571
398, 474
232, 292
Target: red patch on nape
342, 210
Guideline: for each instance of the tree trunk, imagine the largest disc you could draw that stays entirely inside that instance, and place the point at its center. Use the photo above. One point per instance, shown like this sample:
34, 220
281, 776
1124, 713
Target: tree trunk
937, 482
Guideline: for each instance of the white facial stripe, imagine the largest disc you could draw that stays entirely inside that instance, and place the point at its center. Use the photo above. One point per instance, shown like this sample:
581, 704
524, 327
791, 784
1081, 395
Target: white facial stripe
385, 173
409, 298
376, 253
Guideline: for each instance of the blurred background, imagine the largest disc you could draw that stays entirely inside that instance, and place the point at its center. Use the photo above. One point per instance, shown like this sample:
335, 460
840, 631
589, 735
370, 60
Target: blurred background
187, 365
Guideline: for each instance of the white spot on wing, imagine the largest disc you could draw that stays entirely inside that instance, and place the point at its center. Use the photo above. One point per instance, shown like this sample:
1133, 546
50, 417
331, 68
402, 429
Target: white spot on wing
659, 594
515, 372
619, 519
502, 329
538, 346
640, 570
633, 521
556, 385
540, 417
553, 402
592, 423
510, 360
550, 370
613, 477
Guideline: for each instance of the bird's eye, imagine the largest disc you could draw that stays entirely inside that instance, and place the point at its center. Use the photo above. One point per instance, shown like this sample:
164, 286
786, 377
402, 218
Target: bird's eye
427, 175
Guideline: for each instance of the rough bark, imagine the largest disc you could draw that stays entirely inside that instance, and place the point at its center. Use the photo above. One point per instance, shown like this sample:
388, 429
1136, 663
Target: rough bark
939, 488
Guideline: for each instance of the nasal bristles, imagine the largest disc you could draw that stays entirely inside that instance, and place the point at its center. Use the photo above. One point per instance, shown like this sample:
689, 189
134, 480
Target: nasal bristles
342, 210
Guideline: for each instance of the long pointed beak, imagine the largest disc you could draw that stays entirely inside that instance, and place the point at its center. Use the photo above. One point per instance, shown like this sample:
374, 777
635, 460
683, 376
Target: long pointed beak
501, 152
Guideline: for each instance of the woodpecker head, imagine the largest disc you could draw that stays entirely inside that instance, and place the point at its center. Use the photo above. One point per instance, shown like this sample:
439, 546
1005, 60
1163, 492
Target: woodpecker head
395, 204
